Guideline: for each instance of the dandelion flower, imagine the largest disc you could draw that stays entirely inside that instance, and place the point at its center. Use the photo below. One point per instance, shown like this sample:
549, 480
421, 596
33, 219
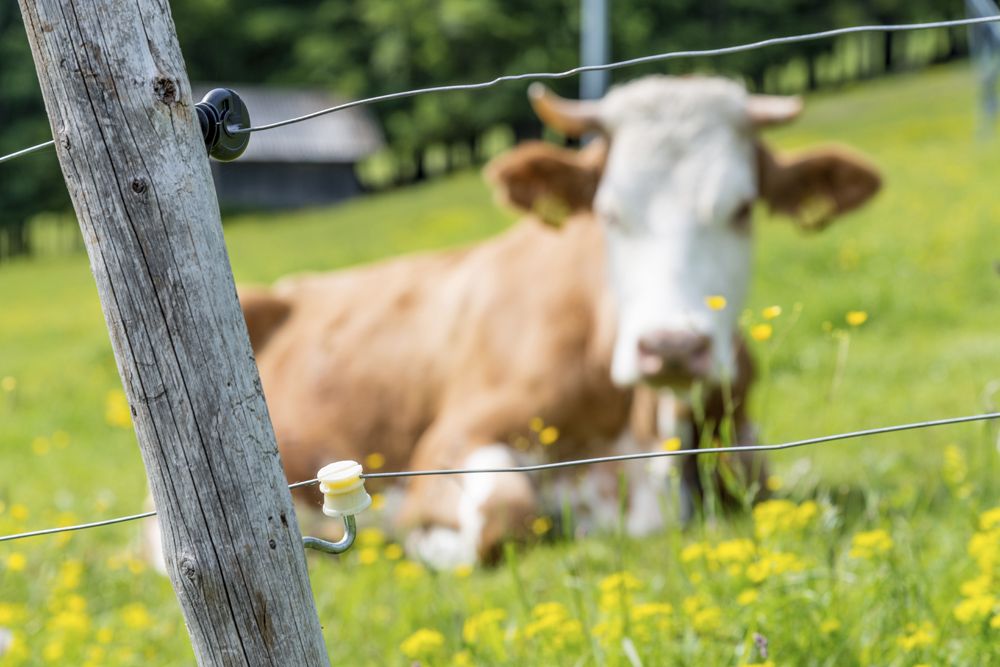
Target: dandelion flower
422, 644
374, 461
371, 537
18, 512
829, 626
16, 562
548, 435
393, 552
541, 525
771, 312
40, 445
761, 332
536, 424
407, 571
856, 318
917, 636
9, 383
715, 302
378, 501
975, 608
116, 409
671, 444
747, 597
990, 519
368, 556
868, 544
463, 571
136, 616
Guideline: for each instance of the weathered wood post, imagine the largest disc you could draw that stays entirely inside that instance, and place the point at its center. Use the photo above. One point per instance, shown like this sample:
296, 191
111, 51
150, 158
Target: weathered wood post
131, 151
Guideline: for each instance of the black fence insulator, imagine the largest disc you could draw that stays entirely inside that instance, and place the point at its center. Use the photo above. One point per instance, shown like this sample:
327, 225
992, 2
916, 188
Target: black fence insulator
221, 114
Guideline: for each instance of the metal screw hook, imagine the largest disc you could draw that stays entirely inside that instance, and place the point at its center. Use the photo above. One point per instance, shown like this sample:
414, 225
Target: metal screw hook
341, 545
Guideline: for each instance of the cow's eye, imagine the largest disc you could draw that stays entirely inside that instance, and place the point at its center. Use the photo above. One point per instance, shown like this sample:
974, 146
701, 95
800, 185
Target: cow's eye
741, 217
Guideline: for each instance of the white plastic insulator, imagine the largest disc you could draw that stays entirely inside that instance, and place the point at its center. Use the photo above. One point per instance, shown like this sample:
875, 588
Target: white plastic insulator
343, 489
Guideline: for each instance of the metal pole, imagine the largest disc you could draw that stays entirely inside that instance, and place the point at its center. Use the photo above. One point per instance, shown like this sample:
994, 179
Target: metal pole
595, 47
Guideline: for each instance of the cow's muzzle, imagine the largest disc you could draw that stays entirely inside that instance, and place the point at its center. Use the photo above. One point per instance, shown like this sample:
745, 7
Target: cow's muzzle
674, 358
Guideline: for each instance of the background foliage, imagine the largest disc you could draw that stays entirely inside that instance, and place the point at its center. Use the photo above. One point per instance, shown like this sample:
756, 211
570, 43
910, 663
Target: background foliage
367, 47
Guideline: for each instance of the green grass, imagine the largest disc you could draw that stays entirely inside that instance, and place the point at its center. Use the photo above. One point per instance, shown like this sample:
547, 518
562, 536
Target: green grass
919, 261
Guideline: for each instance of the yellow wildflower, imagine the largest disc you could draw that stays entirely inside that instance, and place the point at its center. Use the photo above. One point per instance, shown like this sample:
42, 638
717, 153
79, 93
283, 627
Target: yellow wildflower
974, 608
368, 555
407, 571
551, 622
393, 552
463, 571
761, 332
53, 651
378, 501
829, 626
422, 644
371, 537
856, 318
462, 659
995, 622
773, 517
484, 627
40, 445
774, 483
548, 435
9, 613
541, 525
917, 636
707, 620
116, 409
70, 573
715, 302
18, 512
694, 551
136, 616
990, 519
8, 383
671, 444
981, 585
771, 312
616, 590
871, 543
16, 562
536, 424
104, 636
766, 663
747, 597
954, 469
60, 439
374, 461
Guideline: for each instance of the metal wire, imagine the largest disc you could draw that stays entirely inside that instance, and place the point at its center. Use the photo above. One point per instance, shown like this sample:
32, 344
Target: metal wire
658, 57
577, 462
27, 151
82, 526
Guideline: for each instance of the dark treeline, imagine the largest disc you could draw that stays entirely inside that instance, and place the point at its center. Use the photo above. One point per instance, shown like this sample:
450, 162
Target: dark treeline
367, 47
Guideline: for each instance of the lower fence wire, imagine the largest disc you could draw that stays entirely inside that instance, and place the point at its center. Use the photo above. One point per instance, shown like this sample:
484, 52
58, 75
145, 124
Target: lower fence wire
569, 464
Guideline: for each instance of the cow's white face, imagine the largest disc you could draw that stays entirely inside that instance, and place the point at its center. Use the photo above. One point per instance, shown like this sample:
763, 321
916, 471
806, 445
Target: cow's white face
672, 181
675, 200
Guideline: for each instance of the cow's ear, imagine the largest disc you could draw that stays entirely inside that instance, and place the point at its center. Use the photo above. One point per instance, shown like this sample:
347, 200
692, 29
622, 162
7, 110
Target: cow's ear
549, 182
815, 187
264, 312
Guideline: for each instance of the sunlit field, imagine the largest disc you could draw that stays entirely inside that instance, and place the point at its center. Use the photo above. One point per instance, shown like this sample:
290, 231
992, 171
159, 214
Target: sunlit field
882, 551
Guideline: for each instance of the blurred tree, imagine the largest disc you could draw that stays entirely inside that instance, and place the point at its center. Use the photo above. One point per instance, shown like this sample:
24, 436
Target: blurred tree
369, 47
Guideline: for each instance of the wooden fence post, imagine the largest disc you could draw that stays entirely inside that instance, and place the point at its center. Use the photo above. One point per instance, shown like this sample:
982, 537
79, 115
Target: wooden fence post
131, 152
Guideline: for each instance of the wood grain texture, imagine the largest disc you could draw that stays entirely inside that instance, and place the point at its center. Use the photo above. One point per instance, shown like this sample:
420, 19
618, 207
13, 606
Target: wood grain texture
127, 137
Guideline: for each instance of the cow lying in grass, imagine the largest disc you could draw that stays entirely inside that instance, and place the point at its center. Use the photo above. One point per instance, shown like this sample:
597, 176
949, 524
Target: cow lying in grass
444, 360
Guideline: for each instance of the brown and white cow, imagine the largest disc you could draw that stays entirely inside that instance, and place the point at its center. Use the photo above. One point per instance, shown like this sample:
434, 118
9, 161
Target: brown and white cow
442, 360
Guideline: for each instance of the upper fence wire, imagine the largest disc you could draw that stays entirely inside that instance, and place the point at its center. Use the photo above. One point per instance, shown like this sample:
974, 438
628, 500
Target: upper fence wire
657, 57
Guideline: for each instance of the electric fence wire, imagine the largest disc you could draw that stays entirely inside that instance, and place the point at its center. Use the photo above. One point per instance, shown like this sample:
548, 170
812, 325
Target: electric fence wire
657, 57
573, 463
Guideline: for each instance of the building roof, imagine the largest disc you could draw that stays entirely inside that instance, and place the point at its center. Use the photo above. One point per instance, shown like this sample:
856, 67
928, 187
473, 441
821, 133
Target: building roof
343, 136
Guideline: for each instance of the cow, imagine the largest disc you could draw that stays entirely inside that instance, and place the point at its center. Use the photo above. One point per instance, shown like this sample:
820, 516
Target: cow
588, 315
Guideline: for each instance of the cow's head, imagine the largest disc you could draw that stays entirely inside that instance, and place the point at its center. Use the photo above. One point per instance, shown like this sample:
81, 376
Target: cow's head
673, 178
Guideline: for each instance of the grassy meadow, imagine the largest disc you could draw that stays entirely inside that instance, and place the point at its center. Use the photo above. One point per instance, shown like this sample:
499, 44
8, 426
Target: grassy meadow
882, 551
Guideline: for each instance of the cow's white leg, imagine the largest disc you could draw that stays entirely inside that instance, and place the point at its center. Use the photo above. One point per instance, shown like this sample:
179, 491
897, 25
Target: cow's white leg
490, 505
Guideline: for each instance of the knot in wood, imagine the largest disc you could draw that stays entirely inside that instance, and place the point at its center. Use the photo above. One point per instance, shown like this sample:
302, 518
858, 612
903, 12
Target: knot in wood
188, 567
139, 185
165, 89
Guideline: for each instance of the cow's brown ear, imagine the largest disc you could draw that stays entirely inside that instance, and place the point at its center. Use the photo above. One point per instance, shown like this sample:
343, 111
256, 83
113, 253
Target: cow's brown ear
815, 187
550, 182
264, 312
